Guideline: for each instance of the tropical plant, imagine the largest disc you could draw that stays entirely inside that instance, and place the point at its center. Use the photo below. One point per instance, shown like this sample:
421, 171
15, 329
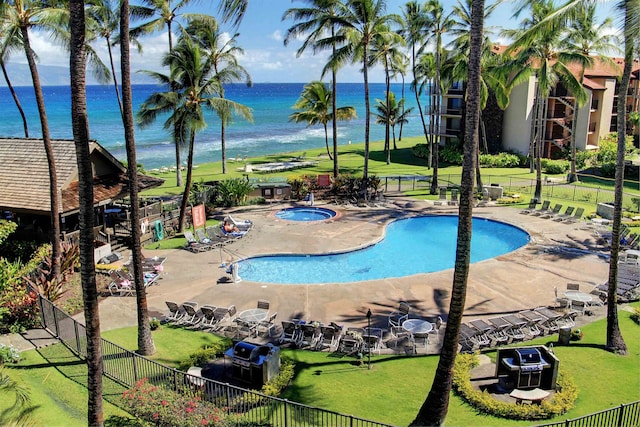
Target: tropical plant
313, 108
233, 192
20, 17
536, 52
434, 409
391, 113
52, 287
314, 22
223, 53
360, 22
80, 125
192, 89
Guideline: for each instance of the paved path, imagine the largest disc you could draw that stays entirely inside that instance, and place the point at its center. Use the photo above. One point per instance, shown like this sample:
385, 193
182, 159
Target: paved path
558, 253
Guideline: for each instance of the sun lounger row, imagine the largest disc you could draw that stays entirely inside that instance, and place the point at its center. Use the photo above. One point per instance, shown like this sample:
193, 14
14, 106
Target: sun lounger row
206, 317
524, 325
210, 238
570, 214
123, 283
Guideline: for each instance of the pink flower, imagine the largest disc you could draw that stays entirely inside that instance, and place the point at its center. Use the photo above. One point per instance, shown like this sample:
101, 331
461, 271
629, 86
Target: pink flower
165, 403
189, 410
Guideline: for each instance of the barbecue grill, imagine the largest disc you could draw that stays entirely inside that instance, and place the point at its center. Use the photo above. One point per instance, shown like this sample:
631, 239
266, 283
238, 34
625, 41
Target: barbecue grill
527, 368
253, 363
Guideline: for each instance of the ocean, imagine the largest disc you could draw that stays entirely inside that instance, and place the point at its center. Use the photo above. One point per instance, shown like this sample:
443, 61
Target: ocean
270, 133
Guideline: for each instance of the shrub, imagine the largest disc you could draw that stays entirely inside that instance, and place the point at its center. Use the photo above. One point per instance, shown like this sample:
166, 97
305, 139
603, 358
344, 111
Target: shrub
8, 354
576, 335
164, 407
501, 160
635, 315
233, 192
451, 153
555, 167
154, 323
42, 278
585, 159
279, 383
205, 353
563, 399
421, 151
18, 310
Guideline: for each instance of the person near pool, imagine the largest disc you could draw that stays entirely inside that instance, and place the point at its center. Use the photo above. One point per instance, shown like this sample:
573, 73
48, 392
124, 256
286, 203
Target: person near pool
229, 228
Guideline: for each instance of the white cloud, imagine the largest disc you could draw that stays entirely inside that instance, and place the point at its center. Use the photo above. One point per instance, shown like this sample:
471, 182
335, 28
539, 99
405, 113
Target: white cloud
277, 35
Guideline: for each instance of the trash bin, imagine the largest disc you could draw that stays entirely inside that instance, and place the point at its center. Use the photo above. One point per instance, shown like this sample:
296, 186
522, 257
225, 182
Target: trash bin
564, 336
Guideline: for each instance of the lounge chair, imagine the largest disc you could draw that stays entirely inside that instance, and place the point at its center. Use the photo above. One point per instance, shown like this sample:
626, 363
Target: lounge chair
175, 313
543, 209
515, 330
577, 216
550, 322
208, 319
396, 318
193, 316
204, 240
553, 212
244, 225
442, 199
372, 340
329, 337
530, 208
193, 245
566, 215
533, 318
290, 333
453, 201
310, 335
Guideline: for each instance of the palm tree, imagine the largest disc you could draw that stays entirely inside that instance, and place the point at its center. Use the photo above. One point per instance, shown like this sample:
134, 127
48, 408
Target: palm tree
535, 53
192, 87
20, 17
391, 113
434, 409
146, 345
585, 35
314, 108
80, 125
223, 53
360, 22
11, 43
313, 22
414, 31
386, 49
438, 23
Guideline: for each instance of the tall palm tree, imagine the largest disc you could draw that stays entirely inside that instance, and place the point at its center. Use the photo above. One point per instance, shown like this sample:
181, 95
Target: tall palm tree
438, 23
360, 21
146, 345
80, 126
391, 113
536, 53
314, 22
11, 43
314, 107
414, 32
434, 409
223, 53
21, 16
587, 36
192, 89
387, 50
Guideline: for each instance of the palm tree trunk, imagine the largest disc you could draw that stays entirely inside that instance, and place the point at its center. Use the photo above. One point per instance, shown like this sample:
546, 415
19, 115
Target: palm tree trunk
436, 136
223, 146
402, 114
175, 142
146, 346
334, 110
113, 73
80, 124
615, 341
537, 145
15, 99
367, 120
54, 194
326, 139
415, 91
187, 186
387, 81
434, 409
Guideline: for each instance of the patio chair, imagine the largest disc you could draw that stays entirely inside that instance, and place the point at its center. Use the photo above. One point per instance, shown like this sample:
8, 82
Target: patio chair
561, 301
568, 320
552, 213
435, 326
208, 319
531, 327
267, 327
175, 313
329, 338
566, 215
349, 344
530, 208
401, 335
192, 244
543, 209
263, 304
577, 216
453, 200
549, 324
372, 341
515, 330
290, 333
309, 335
193, 317
442, 198
396, 318
498, 331
204, 240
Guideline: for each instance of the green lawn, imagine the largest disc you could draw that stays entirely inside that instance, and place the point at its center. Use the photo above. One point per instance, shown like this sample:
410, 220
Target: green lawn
396, 386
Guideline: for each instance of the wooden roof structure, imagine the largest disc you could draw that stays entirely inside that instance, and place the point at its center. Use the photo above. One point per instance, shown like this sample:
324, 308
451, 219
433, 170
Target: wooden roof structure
24, 176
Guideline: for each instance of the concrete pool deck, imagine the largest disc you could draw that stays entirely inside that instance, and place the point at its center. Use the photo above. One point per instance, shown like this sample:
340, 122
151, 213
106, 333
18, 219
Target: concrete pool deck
558, 253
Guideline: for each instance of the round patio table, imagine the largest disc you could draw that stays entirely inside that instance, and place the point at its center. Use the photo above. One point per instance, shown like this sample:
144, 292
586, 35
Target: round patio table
253, 315
578, 296
417, 326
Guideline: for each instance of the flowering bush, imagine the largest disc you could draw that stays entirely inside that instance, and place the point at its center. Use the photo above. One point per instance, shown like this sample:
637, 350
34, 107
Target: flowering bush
8, 354
163, 407
18, 310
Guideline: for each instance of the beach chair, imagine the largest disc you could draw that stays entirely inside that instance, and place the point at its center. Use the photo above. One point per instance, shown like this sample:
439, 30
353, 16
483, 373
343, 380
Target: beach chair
329, 337
566, 215
290, 333
530, 208
553, 212
543, 209
193, 245
175, 313
577, 216
205, 241
453, 200
442, 199
244, 225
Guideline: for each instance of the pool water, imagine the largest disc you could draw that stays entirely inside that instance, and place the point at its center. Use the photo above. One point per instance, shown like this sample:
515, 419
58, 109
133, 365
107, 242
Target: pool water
306, 214
410, 246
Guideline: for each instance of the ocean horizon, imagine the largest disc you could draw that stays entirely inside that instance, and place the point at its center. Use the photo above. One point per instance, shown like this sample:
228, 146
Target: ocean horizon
270, 133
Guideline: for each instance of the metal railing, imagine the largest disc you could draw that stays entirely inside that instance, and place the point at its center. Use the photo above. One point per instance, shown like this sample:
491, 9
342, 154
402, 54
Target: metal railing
127, 368
625, 415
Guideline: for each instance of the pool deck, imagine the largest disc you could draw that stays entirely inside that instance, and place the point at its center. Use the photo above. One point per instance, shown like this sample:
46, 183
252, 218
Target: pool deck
558, 253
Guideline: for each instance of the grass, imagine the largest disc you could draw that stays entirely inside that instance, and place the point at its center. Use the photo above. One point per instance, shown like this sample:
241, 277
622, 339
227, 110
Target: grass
395, 387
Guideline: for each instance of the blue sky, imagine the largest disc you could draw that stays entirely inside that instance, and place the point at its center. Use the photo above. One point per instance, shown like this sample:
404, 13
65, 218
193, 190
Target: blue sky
261, 36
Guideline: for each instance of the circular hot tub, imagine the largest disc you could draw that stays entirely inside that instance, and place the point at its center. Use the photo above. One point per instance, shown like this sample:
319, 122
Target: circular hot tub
306, 214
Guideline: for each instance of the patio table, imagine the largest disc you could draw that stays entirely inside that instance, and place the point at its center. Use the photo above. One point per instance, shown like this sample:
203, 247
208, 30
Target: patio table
578, 296
419, 328
253, 315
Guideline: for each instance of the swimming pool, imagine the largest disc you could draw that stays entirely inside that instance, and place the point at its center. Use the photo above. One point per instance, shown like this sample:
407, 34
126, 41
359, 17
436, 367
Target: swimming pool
306, 214
411, 246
